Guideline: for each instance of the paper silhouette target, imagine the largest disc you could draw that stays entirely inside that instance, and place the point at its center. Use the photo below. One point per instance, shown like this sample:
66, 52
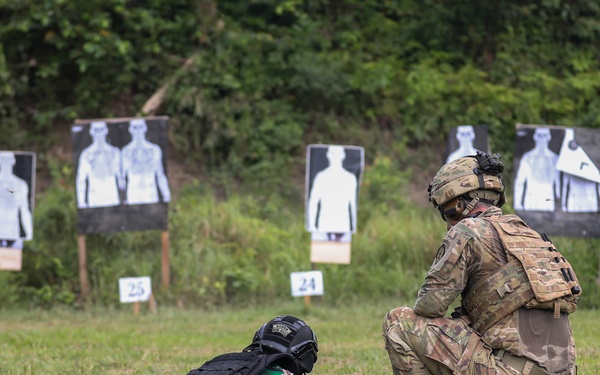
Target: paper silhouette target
556, 184
121, 180
17, 191
465, 140
332, 185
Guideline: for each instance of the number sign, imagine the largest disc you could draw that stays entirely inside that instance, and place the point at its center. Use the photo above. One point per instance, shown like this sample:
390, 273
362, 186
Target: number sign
135, 289
307, 283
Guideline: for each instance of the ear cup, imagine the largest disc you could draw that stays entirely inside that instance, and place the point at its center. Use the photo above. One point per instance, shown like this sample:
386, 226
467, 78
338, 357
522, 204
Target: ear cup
454, 208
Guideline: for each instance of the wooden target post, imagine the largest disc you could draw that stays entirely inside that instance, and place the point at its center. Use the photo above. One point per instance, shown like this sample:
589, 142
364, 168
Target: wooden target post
84, 283
307, 301
151, 306
164, 241
307, 298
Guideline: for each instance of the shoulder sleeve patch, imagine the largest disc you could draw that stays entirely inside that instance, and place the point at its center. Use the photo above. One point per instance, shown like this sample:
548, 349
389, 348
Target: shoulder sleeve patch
451, 249
440, 253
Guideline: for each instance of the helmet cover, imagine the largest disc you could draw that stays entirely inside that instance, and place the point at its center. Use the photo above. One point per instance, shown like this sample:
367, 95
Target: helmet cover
466, 175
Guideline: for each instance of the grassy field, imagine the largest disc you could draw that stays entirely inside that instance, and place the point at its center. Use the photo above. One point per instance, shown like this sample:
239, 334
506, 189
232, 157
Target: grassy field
103, 341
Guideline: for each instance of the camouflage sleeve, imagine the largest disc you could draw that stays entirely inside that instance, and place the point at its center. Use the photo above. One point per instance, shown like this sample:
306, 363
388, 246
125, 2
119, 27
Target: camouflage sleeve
447, 276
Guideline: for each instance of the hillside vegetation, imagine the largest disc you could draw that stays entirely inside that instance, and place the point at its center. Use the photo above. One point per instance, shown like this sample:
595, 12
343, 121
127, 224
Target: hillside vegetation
248, 85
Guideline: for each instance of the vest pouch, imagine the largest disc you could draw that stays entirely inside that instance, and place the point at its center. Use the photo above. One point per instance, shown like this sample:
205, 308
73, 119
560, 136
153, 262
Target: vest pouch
551, 276
543, 272
567, 305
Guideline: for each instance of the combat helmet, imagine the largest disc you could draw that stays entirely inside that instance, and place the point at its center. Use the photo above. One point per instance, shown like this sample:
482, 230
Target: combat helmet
288, 334
460, 184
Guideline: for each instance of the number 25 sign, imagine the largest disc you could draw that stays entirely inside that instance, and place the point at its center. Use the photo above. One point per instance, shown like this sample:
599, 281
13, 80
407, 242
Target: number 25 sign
308, 283
135, 289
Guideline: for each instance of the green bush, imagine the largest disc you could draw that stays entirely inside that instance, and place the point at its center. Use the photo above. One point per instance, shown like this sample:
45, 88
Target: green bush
223, 251
583, 255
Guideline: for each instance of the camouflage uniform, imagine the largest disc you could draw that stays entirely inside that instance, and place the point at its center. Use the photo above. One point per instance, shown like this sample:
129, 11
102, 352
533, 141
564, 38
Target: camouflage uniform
422, 341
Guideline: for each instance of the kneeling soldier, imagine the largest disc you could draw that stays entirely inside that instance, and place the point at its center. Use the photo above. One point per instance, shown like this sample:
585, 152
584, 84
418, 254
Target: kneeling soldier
516, 288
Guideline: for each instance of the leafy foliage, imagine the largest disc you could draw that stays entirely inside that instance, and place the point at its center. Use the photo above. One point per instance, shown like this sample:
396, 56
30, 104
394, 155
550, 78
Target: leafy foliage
249, 84
268, 76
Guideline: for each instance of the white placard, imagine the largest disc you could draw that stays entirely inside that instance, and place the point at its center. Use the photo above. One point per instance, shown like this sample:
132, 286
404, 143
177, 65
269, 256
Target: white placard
308, 283
330, 252
135, 289
11, 259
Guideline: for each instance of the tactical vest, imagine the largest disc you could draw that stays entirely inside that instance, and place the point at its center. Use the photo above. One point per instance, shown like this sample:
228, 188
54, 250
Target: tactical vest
536, 276
247, 362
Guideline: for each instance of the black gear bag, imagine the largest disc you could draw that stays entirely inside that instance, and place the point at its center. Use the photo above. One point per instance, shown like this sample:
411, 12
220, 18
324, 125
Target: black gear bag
251, 361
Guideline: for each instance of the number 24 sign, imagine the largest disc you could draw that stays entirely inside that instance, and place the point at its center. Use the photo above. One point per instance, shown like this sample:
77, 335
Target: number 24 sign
308, 283
135, 289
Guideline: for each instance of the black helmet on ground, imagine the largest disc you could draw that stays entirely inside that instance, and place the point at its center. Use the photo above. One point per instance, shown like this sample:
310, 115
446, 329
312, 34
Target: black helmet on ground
288, 334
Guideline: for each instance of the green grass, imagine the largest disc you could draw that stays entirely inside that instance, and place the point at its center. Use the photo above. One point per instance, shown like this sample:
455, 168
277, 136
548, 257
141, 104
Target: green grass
115, 341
